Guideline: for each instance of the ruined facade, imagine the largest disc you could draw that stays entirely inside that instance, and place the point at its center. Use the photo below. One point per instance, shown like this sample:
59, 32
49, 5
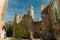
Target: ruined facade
48, 16
28, 21
49, 24
48, 27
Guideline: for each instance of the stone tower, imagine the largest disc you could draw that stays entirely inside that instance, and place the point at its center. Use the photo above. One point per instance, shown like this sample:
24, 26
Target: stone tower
3, 6
31, 11
18, 18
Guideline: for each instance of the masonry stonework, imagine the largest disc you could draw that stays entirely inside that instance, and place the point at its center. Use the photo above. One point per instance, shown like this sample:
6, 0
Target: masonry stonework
50, 26
45, 28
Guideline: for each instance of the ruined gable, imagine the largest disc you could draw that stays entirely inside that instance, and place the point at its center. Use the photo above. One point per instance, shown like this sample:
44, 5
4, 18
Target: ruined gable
43, 6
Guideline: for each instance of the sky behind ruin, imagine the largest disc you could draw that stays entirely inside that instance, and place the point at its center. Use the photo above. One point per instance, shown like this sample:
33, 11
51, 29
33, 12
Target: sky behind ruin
22, 7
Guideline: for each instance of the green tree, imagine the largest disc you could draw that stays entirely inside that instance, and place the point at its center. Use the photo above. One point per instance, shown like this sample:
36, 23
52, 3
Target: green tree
9, 28
58, 18
19, 31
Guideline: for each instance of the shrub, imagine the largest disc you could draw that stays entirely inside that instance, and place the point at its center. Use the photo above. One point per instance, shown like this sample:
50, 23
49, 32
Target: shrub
19, 31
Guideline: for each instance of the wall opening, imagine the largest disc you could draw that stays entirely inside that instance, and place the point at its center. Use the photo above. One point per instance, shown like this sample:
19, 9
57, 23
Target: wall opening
56, 11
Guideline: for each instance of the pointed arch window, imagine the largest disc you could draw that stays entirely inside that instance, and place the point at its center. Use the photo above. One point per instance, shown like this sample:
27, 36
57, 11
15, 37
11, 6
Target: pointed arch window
56, 11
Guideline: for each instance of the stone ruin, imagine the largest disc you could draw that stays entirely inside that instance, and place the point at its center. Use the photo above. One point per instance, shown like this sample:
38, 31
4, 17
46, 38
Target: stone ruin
49, 24
50, 29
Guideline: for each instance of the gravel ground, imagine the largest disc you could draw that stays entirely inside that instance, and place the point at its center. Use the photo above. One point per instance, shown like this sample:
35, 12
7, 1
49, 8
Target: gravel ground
10, 38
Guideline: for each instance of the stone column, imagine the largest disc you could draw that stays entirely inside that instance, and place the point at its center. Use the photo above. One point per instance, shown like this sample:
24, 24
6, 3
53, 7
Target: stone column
3, 6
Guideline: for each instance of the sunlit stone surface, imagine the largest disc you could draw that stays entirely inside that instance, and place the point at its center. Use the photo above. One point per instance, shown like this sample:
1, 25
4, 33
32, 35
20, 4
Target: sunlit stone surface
3, 6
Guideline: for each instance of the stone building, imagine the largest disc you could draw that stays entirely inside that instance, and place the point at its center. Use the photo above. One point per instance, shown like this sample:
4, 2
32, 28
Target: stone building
49, 24
37, 29
18, 19
48, 28
28, 21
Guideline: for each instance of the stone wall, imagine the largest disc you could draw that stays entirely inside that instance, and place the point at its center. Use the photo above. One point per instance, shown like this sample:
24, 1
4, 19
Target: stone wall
49, 20
18, 18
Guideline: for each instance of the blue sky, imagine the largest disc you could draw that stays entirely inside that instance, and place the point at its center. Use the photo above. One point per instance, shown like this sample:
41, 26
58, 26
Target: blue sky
22, 7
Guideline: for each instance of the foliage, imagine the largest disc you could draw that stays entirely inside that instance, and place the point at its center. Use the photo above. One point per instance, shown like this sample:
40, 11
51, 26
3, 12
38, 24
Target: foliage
56, 10
57, 15
19, 31
9, 28
9, 24
58, 18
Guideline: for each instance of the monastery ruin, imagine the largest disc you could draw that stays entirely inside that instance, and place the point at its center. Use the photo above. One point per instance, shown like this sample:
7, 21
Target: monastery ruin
46, 28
